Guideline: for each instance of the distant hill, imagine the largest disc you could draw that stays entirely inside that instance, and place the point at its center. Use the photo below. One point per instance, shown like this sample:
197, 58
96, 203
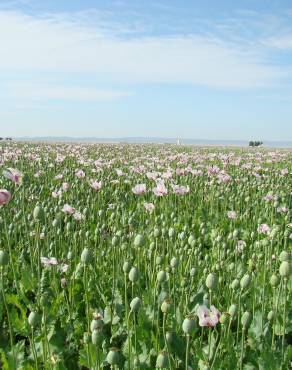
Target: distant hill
156, 140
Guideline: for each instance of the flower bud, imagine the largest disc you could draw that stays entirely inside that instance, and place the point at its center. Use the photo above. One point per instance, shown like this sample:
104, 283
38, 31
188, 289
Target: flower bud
86, 256
127, 267
134, 274
96, 324
285, 269
211, 281
233, 310
161, 277
139, 240
246, 320
97, 337
39, 214
135, 304
162, 360
274, 280
245, 281
33, 319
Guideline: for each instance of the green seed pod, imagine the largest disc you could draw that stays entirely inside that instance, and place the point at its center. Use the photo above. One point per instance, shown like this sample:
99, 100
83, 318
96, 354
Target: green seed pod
139, 240
171, 232
134, 274
39, 214
97, 337
274, 280
170, 337
4, 258
162, 360
161, 277
271, 315
211, 281
113, 357
156, 233
33, 319
135, 304
115, 241
174, 262
158, 260
193, 272
246, 320
96, 324
166, 306
233, 310
189, 325
245, 281
86, 256
285, 269
284, 256
127, 267
235, 284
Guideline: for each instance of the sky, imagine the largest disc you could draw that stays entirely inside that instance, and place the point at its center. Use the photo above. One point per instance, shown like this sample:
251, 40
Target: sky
165, 68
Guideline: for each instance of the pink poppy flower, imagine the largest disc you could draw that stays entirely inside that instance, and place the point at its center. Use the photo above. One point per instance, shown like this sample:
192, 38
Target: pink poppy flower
68, 209
80, 174
49, 261
231, 215
14, 175
180, 189
5, 197
65, 186
160, 189
96, 185
139, 189
209, 318
56, 194
149, 206
264, 229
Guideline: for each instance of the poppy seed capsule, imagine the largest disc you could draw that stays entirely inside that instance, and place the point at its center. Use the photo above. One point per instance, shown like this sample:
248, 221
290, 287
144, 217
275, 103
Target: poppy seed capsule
162, 360
285, 269
39, 214
4, 258
161, 277
133, 274
96, 337
284, 256
232, 310
86, 256
189, 325
135, 304
211, 281
246, 320
235, 284
33, 319
271, 315
166, 306
274, 280
96, 325
139, 240
245, 281
127, 267
174, 262
113, 357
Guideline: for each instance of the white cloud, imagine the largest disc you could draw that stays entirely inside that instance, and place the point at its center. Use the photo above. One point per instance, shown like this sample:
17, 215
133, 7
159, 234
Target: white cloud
56, 92
65, 44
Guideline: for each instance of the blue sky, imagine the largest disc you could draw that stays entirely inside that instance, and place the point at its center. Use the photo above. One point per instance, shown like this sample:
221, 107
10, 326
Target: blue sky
193, 69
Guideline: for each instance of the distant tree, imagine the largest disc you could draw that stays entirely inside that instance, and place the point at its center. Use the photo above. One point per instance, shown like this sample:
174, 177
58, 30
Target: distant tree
1, 138
255, 143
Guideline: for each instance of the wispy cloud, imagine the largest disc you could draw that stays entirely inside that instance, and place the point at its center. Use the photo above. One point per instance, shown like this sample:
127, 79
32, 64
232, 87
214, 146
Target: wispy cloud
71, 45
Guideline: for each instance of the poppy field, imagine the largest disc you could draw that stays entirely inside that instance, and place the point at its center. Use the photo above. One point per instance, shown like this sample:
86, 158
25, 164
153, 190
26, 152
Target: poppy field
117, 256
